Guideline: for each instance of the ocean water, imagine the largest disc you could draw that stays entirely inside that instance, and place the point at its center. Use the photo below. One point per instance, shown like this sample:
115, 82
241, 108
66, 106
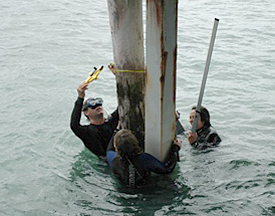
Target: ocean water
48, 47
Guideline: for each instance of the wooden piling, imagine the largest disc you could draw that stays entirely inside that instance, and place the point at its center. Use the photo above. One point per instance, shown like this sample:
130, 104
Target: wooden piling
127, 37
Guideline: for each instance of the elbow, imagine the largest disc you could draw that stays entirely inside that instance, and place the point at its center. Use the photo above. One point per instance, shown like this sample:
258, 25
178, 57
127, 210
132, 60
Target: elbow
73, 127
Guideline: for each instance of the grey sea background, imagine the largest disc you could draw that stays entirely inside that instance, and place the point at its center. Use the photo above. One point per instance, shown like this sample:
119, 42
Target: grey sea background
47, 49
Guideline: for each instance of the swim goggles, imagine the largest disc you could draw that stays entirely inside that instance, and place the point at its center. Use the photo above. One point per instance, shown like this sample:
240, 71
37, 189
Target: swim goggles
93, 103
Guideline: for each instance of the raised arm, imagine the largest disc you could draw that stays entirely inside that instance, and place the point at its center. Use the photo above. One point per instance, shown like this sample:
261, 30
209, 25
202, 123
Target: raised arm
76, 113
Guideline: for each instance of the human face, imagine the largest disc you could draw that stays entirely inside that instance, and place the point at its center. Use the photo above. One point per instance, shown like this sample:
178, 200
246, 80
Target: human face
191, 119
96, 113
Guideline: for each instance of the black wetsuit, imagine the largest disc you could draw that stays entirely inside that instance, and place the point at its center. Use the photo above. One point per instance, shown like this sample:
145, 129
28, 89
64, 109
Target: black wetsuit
136, 170
207, 137
94, 137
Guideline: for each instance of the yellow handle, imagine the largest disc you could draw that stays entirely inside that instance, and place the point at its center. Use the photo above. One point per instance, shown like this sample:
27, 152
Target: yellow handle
93, 75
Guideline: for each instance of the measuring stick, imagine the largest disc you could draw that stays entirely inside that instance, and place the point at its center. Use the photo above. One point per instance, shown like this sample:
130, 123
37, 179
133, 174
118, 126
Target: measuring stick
198, 108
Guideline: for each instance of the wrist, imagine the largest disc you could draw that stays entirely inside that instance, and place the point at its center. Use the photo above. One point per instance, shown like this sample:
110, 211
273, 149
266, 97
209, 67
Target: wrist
194, 144
81, 96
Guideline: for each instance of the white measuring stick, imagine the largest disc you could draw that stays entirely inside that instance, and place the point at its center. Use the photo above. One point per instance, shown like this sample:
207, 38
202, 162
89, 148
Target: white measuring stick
198, 108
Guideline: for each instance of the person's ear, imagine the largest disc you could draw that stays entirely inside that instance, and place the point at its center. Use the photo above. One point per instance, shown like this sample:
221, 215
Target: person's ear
86, 113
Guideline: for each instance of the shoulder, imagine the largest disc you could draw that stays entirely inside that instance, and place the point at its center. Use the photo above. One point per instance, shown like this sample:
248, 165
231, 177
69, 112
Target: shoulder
112, 119
212, 133
114, 115
213, 137
111, 155
208, 137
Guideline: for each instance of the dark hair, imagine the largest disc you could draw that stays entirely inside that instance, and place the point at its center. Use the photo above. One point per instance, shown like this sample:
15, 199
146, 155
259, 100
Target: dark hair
205, 116
126, 143
86, 104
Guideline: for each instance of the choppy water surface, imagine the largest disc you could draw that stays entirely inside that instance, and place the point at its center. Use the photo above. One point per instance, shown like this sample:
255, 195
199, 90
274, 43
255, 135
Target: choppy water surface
47, 49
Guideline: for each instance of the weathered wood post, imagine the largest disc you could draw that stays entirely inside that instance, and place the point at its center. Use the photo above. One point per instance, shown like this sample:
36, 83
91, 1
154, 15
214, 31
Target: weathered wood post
161, 51
127, 36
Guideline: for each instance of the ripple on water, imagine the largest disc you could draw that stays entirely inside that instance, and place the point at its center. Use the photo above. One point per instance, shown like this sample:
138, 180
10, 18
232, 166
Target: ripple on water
241, 163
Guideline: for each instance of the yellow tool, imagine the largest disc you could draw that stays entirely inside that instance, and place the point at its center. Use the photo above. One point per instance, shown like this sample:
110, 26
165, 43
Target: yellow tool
93, 75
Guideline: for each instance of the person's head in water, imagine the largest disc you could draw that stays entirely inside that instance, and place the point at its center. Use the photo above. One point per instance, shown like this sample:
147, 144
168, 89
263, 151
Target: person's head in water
92, 108
126, 143
204, 118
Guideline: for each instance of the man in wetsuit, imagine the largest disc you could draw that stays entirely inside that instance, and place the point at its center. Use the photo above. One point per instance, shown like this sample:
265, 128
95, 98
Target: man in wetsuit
97, 134
205, 136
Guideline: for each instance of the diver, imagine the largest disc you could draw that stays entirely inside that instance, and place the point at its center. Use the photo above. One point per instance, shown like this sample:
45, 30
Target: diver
205, 136
131, 165
98, 133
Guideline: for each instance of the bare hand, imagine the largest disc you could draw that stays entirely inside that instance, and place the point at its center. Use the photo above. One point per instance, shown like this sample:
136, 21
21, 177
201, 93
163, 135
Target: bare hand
192, 137
118, 127
177, 142
81, 89
112, 68
177, 114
